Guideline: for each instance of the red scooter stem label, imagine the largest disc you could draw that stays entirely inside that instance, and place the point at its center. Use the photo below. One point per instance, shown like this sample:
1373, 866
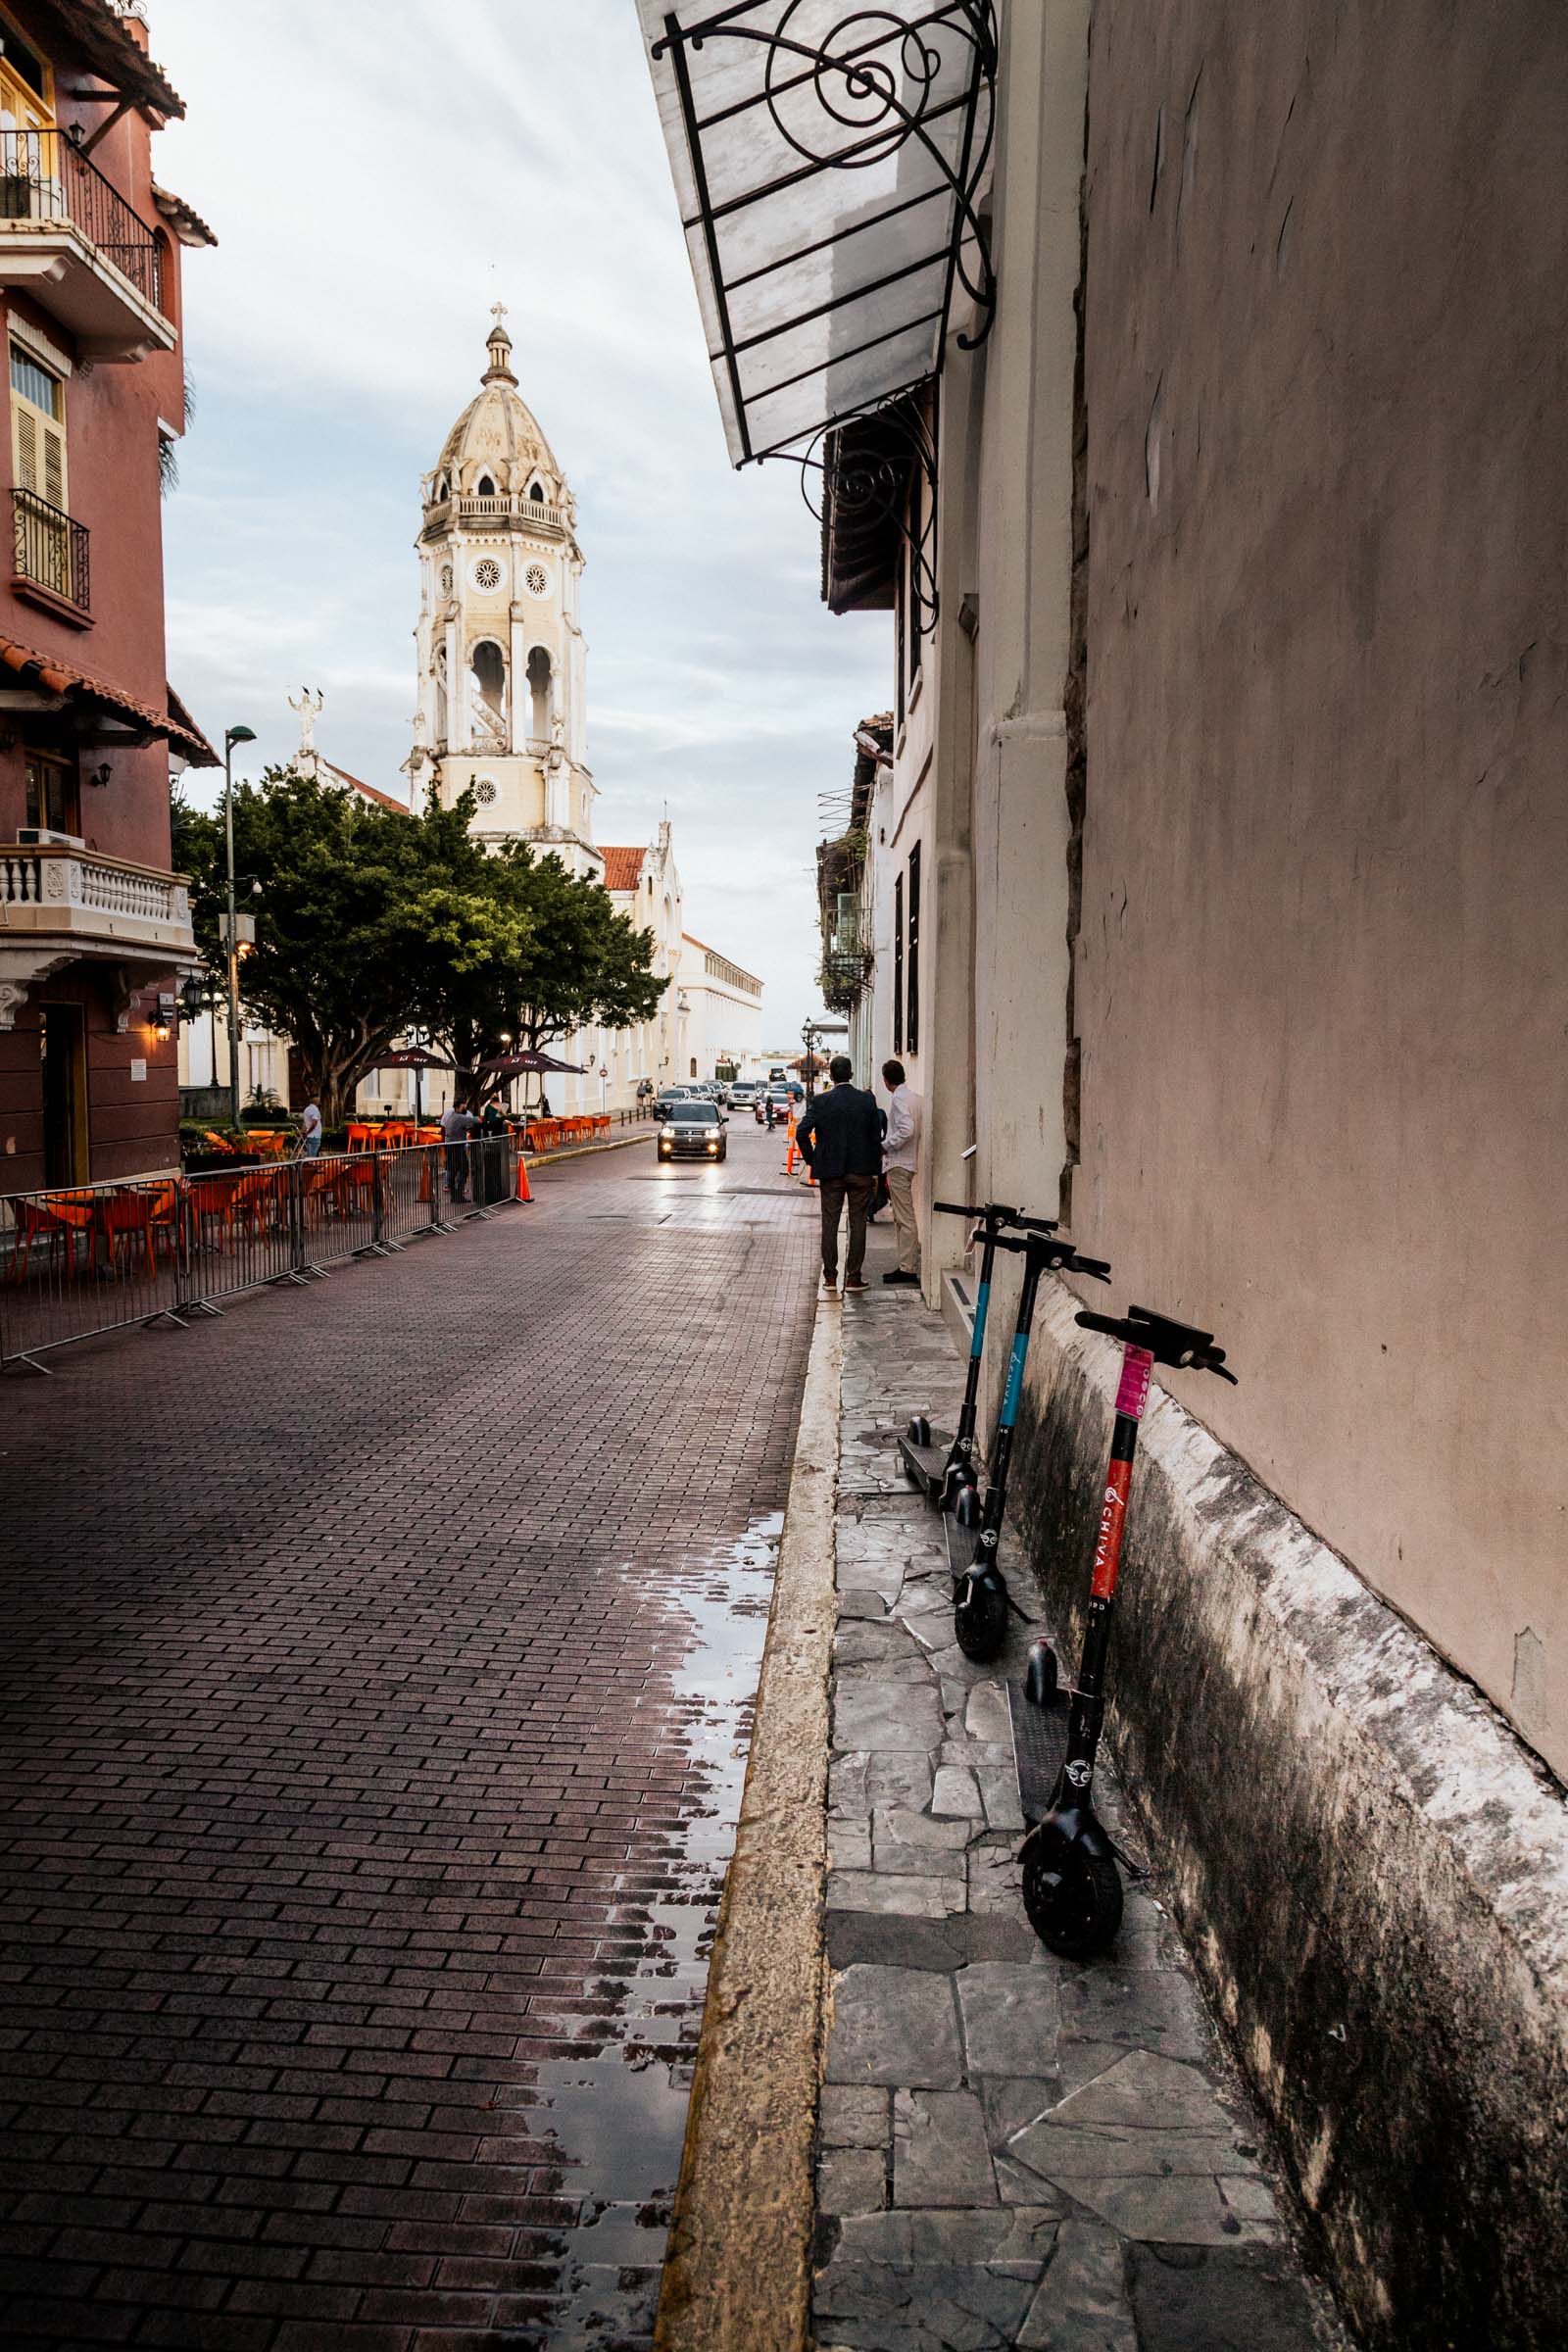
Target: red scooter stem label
1131, 1398
1136, 1363
1112, 1520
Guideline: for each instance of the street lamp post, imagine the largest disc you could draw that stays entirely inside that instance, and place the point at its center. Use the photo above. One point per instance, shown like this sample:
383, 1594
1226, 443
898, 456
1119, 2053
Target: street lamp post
232, 736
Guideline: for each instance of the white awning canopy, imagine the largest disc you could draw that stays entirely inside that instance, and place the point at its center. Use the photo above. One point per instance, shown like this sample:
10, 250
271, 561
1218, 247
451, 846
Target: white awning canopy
826, 155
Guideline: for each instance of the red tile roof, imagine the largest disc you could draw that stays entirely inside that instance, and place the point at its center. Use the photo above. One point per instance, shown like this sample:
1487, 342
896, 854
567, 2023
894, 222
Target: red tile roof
622, 868
382, 799
64, 677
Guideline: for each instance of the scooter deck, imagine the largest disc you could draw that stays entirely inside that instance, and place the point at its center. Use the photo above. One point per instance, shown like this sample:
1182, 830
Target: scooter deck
927, 1465
1039, 1749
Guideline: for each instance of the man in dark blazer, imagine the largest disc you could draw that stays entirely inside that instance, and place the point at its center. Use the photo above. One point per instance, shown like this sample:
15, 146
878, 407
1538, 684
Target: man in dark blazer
840, 1138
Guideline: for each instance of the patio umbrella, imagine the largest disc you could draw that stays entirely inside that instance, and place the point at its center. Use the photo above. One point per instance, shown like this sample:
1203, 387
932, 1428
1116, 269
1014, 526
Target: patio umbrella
514, 1065
415, 1057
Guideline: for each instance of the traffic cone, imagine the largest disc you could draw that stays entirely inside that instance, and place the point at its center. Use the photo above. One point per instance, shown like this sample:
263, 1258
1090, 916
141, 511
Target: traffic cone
789, 1157
522, 1192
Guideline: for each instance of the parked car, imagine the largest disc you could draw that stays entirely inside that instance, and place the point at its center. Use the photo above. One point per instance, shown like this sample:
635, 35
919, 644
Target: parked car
780, 1098
692, 1129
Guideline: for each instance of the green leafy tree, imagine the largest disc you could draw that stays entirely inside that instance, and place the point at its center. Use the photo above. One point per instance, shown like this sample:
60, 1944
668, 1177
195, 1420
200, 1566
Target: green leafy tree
365, 918
369, 920
582, 965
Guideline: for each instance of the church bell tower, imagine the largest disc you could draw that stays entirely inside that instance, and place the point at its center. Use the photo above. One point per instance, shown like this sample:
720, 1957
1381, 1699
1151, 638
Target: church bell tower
501, 652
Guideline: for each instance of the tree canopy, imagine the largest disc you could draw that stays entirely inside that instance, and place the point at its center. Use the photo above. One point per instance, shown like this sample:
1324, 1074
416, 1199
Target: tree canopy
371, 920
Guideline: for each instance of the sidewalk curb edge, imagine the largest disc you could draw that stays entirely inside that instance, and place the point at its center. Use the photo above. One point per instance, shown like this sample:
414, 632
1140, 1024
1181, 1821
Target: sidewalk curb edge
738, 2272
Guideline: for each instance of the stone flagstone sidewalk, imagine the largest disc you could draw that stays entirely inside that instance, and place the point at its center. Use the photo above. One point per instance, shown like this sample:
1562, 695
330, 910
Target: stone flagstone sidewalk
1014, 2150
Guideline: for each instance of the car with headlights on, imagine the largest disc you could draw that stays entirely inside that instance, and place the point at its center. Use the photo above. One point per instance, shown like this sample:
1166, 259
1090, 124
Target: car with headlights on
692, 1129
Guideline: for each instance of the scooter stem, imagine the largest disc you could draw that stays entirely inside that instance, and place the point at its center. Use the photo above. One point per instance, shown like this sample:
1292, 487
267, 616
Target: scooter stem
1087, 1708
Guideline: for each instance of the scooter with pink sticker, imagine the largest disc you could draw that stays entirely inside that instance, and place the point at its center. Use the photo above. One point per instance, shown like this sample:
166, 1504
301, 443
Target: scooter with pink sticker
1071, 1887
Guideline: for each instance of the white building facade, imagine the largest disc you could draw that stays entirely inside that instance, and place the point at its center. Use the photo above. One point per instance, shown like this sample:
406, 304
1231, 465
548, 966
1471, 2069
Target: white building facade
724, 1019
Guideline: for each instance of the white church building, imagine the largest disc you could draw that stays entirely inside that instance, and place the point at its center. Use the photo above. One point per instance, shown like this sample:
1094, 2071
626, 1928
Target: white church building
503, 710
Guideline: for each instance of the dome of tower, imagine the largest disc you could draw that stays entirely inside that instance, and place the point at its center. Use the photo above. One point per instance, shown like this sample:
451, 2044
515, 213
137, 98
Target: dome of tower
497, 438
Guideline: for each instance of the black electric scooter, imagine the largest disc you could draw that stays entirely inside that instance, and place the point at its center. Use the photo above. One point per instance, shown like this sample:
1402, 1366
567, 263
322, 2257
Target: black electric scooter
940, 1465
1071, 1887
980, 1597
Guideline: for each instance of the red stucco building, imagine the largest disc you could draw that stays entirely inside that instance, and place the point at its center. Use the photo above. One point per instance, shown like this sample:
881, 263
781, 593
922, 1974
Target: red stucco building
93, 924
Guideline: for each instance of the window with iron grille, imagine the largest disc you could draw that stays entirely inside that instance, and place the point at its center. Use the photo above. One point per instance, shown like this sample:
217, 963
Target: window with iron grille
897, 963
911, 1017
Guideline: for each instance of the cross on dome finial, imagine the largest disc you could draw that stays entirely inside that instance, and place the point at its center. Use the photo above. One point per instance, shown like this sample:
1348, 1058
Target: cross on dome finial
500, 346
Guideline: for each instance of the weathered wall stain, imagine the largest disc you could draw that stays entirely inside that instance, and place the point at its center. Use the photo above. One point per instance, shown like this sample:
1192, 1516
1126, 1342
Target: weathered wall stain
1372, 1871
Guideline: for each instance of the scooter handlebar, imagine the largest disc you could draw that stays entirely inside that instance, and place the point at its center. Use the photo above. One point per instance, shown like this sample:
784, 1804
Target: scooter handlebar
996, 1213
1057, 1253
1181, 1345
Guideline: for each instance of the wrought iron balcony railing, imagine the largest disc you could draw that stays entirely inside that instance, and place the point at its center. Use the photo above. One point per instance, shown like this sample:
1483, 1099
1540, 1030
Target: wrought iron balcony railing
45, 176
49, 550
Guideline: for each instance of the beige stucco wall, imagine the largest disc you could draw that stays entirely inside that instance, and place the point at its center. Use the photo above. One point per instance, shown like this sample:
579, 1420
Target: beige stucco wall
1323, 988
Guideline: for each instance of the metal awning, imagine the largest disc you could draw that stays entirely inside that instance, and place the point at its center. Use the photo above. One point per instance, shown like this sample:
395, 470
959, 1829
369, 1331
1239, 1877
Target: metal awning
827, 157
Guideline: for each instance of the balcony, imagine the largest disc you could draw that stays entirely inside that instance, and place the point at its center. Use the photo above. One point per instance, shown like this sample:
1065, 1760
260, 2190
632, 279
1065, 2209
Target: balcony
60, 901
49, 556
68, 236
499, 511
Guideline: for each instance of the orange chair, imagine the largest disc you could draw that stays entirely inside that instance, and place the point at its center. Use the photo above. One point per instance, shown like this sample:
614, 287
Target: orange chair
35, 1221
125, 1214
362, 1137
209, 1199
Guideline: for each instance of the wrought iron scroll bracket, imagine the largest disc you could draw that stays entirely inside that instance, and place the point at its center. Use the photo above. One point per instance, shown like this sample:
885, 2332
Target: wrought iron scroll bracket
858, 93
895, 484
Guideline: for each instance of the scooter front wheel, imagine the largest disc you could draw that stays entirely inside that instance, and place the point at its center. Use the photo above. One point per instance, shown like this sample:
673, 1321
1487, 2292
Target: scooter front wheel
1073, 1899
980, 1616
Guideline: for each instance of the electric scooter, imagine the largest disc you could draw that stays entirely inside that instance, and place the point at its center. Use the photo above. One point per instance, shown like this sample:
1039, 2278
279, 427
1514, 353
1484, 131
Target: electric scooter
1072, 1888
937, 1464
980, 1596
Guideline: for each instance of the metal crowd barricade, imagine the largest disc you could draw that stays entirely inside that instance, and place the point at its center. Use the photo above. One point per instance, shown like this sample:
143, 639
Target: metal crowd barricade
83, 1259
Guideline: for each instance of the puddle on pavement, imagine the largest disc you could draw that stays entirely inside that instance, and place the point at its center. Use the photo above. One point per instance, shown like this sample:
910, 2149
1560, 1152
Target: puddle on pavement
616, 2112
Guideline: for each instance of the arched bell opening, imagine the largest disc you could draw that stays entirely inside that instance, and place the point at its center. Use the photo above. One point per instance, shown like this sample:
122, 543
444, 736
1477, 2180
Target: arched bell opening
539, 681
489, 666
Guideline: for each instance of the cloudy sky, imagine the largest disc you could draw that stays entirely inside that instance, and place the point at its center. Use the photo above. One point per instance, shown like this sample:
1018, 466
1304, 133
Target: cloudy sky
378, 172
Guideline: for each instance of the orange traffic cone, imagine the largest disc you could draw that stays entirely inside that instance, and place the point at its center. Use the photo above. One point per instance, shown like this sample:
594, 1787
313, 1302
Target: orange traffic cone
789, 1157
522, 1192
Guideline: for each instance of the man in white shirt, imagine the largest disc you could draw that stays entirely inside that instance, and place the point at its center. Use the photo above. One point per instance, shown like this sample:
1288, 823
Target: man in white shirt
311, 1129
899, 1148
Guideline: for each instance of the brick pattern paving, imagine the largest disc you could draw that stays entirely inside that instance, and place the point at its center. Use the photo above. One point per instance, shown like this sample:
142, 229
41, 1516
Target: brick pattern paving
1015, 2151
376, 1660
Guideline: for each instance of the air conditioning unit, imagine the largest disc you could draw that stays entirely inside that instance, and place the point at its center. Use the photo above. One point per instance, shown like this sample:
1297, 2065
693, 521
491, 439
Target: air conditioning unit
38, 837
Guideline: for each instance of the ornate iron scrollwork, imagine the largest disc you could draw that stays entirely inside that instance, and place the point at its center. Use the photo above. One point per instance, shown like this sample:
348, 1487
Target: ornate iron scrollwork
850, 74
882, 474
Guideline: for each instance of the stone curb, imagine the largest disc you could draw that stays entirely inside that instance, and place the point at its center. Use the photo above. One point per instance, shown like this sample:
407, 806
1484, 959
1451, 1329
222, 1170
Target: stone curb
738, 2273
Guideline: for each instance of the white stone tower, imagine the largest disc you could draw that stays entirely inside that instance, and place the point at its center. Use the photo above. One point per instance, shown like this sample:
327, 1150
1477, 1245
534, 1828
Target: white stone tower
502, 658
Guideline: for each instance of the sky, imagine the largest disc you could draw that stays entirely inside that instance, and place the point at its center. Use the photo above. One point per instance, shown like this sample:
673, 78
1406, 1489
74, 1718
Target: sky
378, 172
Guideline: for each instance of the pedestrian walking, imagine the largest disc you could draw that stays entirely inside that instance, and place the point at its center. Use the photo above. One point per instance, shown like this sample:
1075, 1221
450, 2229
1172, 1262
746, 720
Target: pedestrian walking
840, 1139
311, 1129
456, 1125
900, 1150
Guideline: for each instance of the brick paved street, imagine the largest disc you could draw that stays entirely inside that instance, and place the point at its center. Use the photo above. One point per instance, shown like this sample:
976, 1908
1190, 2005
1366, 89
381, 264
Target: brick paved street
378, 1663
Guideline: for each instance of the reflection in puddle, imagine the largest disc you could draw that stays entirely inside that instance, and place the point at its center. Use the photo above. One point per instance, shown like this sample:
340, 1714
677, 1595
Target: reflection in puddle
612, 2111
